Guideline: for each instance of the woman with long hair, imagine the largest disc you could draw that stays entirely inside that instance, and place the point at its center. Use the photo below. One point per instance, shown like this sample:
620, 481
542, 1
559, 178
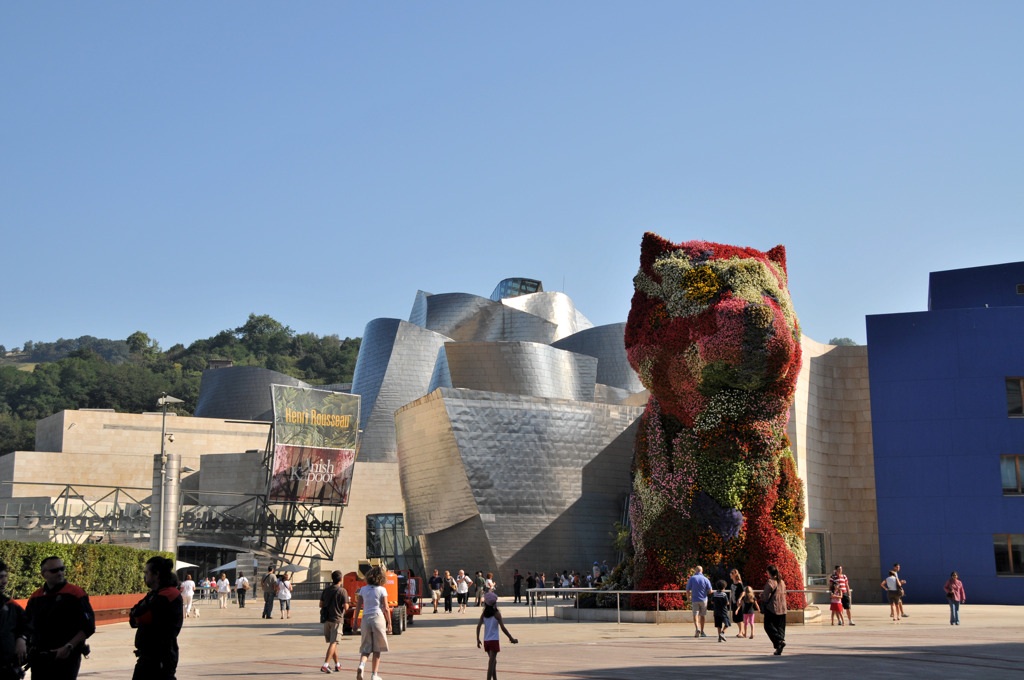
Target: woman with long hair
737, 590
773, 609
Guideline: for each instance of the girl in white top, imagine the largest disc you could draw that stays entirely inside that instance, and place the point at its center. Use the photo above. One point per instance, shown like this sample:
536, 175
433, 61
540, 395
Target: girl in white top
223, 590
284, 594
372, 599
188, 590
491, 621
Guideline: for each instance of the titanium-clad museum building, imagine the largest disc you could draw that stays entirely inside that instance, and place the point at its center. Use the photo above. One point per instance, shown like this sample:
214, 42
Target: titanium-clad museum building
509, 423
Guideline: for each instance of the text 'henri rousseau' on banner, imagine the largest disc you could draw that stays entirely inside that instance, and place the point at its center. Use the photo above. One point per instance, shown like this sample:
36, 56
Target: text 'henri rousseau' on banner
314, 445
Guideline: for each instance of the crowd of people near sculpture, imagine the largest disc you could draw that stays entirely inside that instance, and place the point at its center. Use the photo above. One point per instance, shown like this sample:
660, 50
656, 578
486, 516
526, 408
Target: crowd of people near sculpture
51, 632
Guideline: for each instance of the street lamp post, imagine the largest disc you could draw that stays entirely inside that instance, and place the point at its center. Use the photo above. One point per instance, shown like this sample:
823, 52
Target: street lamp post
164, 509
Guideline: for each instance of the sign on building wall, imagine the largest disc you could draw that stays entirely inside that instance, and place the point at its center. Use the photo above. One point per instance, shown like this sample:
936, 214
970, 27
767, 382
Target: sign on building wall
315, 435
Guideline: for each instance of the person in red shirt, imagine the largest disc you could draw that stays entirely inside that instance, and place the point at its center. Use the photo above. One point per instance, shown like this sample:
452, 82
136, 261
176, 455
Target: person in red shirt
838, 577
60, 619
157, 619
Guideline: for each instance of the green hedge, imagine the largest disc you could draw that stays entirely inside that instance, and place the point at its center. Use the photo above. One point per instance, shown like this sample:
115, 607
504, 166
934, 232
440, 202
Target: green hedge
99, 569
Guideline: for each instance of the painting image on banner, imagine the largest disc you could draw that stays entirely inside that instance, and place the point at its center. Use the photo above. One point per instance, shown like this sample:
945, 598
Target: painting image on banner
315, 435
306, 473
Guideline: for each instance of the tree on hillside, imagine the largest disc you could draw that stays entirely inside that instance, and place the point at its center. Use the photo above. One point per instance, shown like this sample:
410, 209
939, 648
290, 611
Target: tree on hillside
264, 335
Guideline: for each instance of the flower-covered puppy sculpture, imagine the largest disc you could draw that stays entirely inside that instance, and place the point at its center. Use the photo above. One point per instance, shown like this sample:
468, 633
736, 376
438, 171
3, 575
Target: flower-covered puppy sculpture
713, 336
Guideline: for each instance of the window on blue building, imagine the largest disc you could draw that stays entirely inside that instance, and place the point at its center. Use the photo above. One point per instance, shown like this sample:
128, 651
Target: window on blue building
1009, 554
1010, 469
1015, 396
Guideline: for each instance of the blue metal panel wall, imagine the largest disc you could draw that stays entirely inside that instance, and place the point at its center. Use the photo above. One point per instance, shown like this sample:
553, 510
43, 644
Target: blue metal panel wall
938, 409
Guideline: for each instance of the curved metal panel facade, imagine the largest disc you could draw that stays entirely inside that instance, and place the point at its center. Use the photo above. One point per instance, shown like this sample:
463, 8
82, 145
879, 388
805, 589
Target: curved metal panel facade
240, 392
471, 318
525, 368
557, 308
608, 345
547, 477
397, 367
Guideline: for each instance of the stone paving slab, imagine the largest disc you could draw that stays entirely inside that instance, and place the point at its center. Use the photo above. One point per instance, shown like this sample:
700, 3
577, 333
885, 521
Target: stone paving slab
236, 643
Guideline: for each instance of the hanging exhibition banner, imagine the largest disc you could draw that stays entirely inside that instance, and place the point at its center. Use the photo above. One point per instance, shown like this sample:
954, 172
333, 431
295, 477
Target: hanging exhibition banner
315, 435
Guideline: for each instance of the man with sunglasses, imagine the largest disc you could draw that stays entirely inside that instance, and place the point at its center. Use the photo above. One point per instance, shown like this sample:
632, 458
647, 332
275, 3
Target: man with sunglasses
60, 619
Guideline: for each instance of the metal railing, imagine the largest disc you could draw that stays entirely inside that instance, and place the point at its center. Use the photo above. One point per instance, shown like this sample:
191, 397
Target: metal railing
544, 592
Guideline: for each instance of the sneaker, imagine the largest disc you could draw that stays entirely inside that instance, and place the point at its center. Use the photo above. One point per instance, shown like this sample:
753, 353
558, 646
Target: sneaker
696, 634
325, 669
721, 638
359, 673
702, 634
337, 668
852, 623
375, 677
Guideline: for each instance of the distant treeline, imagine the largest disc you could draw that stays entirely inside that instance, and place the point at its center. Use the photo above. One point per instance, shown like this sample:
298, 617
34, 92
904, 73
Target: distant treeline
129, 375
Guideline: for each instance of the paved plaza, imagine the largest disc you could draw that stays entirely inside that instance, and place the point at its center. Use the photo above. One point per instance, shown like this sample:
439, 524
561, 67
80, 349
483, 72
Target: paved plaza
236, 643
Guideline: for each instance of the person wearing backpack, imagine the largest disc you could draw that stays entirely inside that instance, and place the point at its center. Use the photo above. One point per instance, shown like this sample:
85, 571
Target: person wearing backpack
268, 584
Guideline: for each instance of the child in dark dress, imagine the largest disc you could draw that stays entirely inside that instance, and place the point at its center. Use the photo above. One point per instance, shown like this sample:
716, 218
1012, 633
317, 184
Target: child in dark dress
720, 600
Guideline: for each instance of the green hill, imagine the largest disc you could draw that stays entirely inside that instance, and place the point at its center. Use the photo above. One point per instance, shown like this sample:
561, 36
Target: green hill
128, 375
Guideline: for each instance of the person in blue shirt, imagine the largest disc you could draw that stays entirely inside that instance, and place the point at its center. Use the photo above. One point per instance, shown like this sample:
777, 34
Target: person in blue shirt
698, 588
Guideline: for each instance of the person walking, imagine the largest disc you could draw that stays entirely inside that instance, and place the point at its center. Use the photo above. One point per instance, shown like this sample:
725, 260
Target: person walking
376, 623
448, 591
157, 620
698, 588
188, 590
435, 584
241, 588
284, 594
720, 601
517, 587
891, 585
900, 590
13, 632
333, 605
736, 589
531, 583
773, 599
462, 590
60, 620
223, 590
747, 608
268, 584
490, 620
955, 596
845, 590
478, 581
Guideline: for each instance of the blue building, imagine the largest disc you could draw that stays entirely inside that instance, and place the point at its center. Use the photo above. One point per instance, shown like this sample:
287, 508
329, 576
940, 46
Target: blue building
947, 410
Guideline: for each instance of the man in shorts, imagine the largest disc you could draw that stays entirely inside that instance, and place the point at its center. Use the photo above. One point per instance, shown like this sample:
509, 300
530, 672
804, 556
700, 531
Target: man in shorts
899, 603
435, 583
333, 605
698, 588
838, 577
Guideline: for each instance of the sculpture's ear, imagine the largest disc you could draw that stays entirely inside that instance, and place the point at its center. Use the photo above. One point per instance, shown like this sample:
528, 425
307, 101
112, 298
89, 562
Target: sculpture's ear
651, 247
778, 256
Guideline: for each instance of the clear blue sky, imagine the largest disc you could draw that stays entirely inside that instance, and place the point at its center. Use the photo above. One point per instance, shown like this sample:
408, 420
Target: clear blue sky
172, 167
